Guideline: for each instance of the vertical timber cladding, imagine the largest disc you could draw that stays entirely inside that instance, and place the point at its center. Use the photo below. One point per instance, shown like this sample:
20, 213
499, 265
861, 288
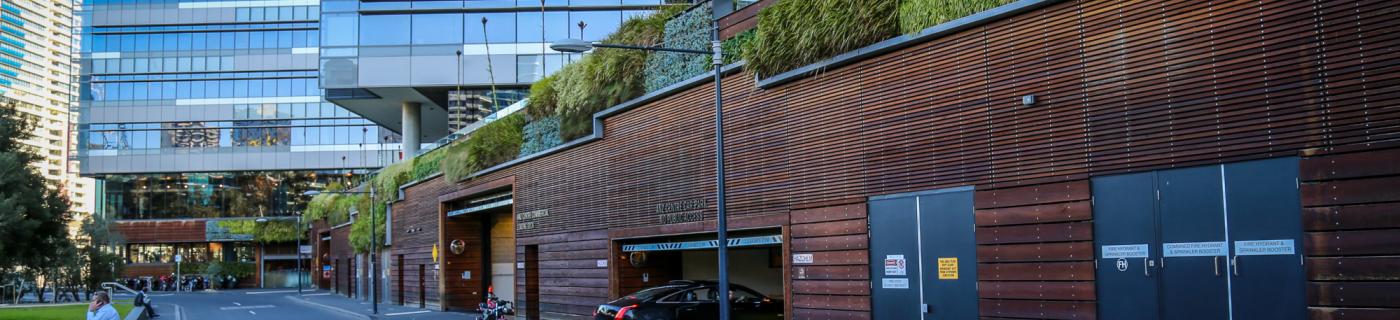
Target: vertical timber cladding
1035, 251
1351, 215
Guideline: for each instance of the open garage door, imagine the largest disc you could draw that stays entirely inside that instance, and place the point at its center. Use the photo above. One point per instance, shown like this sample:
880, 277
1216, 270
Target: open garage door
755, 261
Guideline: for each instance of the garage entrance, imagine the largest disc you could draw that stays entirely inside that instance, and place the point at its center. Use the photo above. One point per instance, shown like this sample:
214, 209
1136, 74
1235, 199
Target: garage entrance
1214, 242
755, 261
480, 249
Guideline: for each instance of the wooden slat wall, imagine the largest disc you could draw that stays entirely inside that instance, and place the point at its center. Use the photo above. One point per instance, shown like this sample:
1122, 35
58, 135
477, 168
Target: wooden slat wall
177, 231
1121, 86
836, 285
1035, 251
1351, 212
415, 231
571, 285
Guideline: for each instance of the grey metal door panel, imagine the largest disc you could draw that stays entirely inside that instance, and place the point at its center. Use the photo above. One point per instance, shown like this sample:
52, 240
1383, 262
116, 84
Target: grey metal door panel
946, 222
1194, 284
1125, 231
894, 233
1265, 228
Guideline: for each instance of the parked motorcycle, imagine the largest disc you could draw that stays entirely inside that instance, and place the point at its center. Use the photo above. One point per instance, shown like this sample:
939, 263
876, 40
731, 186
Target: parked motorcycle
494, 308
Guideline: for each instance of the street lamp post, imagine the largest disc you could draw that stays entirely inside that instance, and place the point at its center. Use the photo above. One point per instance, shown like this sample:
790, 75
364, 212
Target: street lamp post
717, 56
373, 244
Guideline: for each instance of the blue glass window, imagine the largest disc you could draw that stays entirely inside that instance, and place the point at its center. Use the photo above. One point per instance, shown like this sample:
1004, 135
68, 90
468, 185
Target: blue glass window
437, 28
341, 29
499, 28
385, 30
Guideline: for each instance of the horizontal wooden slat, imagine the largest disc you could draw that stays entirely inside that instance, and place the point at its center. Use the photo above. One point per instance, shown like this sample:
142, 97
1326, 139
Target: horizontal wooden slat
1365, 242
1052, 232
1330, 313
1354, 269
1355, 294
854, 272
830, 228
1032, 309
1028, 290
815, 314
1353, 191
1036, 271
849, 242
831, 302
1064, 251
1368, 216
834, 213
1032, 195
1054, 212
831, 287
834, 258
1353, 165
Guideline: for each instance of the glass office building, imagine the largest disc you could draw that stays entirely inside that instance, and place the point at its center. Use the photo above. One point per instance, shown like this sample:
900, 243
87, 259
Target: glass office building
378, 55
204, 111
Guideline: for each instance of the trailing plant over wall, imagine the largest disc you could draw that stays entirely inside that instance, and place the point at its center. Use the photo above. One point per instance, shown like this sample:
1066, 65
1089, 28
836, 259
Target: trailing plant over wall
492, 144
544, 99
539, 135
271, 231
792, 34
689, 30
917, 15
359, 230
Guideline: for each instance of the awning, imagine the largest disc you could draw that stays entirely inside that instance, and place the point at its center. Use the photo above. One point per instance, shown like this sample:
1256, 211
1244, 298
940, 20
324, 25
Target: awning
704, 244
484, 203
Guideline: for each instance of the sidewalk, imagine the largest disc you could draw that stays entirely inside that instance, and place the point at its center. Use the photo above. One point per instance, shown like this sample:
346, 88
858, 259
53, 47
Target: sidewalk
329, 300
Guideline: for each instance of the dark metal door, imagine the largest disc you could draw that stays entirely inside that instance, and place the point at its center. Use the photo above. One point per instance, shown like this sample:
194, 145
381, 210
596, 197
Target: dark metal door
949, 255
894, 258
1125, 229
1263, 209
1192, 224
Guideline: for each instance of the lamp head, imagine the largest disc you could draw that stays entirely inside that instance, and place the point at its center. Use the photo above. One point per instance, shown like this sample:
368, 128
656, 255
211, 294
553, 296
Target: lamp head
571, 46
261, 220
311, 193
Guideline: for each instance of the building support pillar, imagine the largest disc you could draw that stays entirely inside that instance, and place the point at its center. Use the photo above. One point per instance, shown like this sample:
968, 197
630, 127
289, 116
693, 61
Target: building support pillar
412, 124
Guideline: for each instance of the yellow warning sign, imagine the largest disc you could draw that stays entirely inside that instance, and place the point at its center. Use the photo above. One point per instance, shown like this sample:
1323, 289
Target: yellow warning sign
435, 253
947, 268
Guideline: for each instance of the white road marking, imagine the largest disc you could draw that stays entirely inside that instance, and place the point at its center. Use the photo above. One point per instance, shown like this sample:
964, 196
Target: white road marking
317, 294
267, 292
404, 313
237, 304
251, 311
261, 306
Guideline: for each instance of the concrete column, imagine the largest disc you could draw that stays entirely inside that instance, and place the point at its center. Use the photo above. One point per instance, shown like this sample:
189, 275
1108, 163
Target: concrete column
412, 124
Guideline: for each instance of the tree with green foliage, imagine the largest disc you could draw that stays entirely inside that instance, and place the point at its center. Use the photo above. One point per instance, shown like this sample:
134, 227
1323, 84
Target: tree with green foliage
33, 217
100, 247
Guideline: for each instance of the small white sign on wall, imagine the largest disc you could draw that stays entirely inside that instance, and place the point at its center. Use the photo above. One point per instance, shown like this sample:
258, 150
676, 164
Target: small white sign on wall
894, 283
802, 258
520, 265
603, 263
895, 265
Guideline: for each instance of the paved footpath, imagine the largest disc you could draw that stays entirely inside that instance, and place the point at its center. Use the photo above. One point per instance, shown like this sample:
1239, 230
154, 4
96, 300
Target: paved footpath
281, 304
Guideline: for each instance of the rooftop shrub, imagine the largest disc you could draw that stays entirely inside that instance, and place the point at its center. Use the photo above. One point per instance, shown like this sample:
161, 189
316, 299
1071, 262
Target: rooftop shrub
792, 34
492, 144
917, 15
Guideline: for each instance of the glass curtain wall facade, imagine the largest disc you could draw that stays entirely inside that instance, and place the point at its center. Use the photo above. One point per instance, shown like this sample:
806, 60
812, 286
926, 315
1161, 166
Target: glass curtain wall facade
371, 50
198, 110
212, 109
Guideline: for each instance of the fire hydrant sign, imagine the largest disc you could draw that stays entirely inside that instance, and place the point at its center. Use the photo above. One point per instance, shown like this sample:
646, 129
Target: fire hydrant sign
895, 265
948, 268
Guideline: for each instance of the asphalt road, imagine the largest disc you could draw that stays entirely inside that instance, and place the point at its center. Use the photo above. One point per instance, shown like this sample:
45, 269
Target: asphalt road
241, 304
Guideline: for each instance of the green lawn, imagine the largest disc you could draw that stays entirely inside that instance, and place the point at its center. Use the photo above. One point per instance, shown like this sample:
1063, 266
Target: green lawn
75, 311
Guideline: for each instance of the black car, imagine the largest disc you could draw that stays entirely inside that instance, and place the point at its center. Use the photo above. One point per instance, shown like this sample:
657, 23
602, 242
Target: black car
687, 299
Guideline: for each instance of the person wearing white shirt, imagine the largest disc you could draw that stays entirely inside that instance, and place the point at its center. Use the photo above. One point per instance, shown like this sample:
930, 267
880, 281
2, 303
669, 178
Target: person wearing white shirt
101, 308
